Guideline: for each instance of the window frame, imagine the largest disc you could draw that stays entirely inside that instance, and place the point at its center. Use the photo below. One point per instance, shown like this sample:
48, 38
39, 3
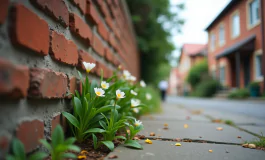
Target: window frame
258, 77
224, 41
212, 44
231, 24
249, 25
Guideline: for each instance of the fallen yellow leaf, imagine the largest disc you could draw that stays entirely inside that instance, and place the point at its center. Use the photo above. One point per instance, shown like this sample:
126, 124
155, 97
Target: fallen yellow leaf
152, 134
186, 126
165, 124
177, 144
219, 128
210, 150
81, 157
83, 152
148, 141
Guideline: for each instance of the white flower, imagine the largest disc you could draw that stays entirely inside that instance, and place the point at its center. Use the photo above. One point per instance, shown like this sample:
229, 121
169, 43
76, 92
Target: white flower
99, 92
137, 123
104, 85
148, 96
135, 110
132, 78
89, 66
142, 83
133, 93
120, 94
135, 102
126, 74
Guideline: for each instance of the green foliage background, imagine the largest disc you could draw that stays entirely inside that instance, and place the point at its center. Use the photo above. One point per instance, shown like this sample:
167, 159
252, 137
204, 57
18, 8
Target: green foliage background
154, 22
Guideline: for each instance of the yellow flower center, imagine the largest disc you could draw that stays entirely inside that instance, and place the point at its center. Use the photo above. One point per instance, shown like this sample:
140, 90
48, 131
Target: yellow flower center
136, 124
118, 95
103, 86
98, 93
87, 70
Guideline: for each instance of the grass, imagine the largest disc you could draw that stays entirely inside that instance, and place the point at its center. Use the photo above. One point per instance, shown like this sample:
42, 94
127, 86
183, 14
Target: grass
259, 142
229, 122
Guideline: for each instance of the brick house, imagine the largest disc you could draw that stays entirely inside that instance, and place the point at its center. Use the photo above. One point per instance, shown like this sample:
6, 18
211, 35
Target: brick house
235, 44
191, 54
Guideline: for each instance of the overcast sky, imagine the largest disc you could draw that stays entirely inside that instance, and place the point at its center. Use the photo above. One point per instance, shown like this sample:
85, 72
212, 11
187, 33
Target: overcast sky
198, 14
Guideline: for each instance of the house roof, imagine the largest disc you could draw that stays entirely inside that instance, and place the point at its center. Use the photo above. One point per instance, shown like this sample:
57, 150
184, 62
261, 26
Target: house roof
193, 49
223, 12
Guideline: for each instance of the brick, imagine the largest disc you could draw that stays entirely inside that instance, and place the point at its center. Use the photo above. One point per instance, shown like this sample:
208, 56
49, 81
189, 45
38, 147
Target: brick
81, 4
29, 133
98, 45
85, 57
3, 10
63, 50
4, 145
103, 31
109, 55
45, 83
116, 62
91, 13
80, 28
109, 22
57, 9
34, 36
14, 80
56, 120
112, 41
72, 85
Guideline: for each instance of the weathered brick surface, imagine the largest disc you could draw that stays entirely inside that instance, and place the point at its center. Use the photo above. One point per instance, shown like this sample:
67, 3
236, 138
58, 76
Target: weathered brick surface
56, 120
109, 55
3, 10
62, 49
72, 84
56, 8
91, 12
45, 83
113, 41
80, 28
85, 57
29, 133
33, 35
81, 4
103, 31
98, 46
14, 80
4, 145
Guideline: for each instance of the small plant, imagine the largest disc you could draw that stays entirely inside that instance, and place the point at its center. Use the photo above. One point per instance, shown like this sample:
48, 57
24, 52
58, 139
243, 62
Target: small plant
260, 142
229, 122
133, 130
239, 94
59, 146
19, 153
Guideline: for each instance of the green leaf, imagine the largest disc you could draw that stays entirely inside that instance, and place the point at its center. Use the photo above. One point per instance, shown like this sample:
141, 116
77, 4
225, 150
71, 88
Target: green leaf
80, 75
95, 130
18, 149
104, 109
94, 84
57, 136
73, 148
133, 144
77, 94
46, 144
38, 156
108, 144
68, 155
96, 119
95, 141
71, 119
10, 157
78, 106
103, 125
120, 137
70, 140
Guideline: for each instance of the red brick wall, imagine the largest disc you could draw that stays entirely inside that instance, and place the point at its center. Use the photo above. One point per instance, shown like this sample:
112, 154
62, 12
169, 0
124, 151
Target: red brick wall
42, 44
244, 33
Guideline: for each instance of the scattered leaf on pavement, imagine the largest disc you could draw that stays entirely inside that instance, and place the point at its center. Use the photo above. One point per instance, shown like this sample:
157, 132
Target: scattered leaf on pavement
152, 134
210, 150
113, 156
252, 146
148, 141
239, 137
165, 125
186, 126
178, 140
219, 128
245, 145
81, 157
177, 144
84, 152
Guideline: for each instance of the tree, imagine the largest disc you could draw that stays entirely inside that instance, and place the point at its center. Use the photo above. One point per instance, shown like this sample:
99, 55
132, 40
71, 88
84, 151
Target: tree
154, 22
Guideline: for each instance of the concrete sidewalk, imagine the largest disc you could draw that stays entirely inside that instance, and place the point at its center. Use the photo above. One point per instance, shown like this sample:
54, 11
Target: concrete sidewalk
196, 127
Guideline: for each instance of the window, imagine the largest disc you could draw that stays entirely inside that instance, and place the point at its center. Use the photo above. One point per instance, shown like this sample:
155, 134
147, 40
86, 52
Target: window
258, 63
221, 35
212, 41
253, 10
213, 74
222, 75
235, 25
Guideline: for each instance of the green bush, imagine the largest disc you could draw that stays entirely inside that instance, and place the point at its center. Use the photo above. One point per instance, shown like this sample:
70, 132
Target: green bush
239, 94
196, 72
206, 88
254, 85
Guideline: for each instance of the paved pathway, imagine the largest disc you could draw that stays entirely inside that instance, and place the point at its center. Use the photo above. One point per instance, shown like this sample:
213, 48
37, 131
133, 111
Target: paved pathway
194, 124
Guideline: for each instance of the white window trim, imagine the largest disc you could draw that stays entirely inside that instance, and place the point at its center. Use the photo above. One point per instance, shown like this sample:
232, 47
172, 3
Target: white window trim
256, 53
211, 47
221, 44
250, 26
222, 64
231, 24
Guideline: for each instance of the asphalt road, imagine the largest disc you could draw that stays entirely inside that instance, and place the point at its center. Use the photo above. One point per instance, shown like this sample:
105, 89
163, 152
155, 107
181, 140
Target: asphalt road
251, 108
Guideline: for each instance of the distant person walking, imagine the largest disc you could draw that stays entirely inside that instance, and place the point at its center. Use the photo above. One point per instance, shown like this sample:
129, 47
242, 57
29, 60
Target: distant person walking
163, 85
